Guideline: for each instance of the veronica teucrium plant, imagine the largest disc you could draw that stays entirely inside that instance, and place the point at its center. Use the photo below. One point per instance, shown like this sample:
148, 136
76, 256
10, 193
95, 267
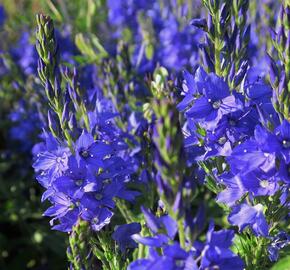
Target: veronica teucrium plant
159, 131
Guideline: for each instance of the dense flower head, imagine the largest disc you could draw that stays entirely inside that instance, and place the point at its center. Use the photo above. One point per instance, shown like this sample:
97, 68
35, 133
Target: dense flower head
249, 137
215, 252
83, 181
79, 185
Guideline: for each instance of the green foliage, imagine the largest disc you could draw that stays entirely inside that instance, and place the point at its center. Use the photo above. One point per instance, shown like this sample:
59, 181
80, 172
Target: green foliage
91, 49
283, 264
79, 252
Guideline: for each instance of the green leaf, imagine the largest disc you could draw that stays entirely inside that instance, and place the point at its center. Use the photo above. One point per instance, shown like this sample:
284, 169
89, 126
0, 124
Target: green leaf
283, 264
149, 51
90, 47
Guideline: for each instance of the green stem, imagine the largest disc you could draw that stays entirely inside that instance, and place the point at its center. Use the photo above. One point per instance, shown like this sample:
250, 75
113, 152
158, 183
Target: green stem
65, 131
217, 51
126, 213
141, 249
181, 233
85, 117
101, 256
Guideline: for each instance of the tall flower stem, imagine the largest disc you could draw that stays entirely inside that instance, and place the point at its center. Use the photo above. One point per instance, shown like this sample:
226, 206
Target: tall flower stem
48, 71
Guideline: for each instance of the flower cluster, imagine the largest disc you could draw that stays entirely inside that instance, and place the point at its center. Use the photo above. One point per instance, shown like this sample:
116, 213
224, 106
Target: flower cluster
158, 140
215, 252
84, 181
232, 141
242, 131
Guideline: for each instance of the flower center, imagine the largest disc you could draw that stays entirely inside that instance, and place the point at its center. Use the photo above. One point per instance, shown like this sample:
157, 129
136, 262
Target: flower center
99, 196
95, 220
58, 159
84, 153
79, 182
264, 183
107, 181
222, 140
179, 263
232, 122
216, 104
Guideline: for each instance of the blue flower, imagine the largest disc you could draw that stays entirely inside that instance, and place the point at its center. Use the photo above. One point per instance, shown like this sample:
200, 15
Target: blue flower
259, 93
172, 258
283, 135
83, 185
98, 195
52, 163
257, 153
284, 172
117, 167
122, 235
215, 102
256, 183
64, 210
234, 189
74, 181
68, 221
102, 116
97, 216
192, 85
244, 215
216, 252
162, 224
237, 126
259, 183
157, 241
90, 151
25, 54
163, 228
281, 240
